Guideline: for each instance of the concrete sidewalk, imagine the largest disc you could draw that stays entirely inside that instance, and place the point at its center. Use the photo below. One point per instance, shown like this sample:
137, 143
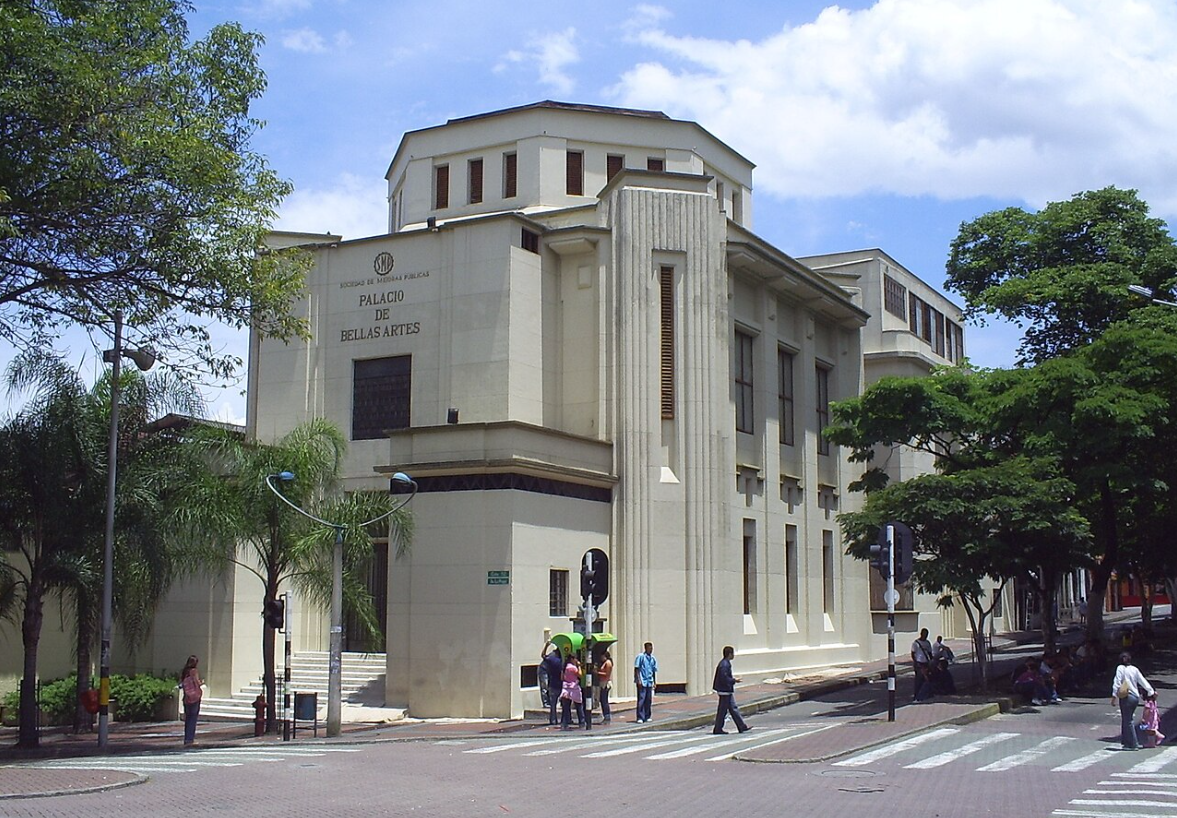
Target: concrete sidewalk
671, 712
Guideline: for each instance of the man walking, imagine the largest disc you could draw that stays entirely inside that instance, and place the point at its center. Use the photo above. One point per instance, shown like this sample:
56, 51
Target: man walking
645, 675
553, 666
725, 687
921, 659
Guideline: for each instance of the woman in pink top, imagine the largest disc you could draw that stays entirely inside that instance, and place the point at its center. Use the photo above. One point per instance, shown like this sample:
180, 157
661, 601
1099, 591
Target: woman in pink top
571, 695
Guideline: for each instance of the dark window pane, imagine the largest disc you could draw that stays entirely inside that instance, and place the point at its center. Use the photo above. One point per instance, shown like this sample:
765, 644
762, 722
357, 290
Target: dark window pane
381, 396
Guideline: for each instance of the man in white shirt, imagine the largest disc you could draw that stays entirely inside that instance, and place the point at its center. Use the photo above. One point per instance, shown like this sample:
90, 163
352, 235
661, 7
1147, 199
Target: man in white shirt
921, 660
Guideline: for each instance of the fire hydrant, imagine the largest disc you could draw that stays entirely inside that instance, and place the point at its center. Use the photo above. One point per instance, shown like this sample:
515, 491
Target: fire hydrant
259, 715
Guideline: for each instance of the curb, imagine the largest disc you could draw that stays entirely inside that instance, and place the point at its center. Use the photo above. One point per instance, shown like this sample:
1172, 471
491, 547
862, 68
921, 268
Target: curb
137, 778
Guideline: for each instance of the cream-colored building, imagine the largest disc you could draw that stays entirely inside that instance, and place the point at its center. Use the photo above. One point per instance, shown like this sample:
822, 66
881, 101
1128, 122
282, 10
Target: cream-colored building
572, 338
631, 368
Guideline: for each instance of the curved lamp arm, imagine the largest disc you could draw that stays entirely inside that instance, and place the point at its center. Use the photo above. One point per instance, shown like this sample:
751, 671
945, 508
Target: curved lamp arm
285, 476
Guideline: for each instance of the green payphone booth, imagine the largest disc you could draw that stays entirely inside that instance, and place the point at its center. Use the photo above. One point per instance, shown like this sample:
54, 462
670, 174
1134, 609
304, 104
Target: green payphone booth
587, 649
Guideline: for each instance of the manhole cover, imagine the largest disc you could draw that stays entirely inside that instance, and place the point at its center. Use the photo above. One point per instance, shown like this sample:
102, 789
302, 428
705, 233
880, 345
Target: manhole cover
848, 773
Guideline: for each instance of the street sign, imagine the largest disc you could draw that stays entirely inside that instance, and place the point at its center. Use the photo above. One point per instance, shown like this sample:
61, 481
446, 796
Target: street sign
498, 577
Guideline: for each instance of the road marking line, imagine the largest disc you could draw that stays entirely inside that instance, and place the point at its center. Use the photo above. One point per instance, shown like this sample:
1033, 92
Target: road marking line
717, 741
516, 746
967, 750
1139, 783
640, 747
896, 748
162, 765
1129, 792
1081, 763
1086, 813
770, 743
1162, 759
1095, 802
1167, 776
1017, 759
567, 747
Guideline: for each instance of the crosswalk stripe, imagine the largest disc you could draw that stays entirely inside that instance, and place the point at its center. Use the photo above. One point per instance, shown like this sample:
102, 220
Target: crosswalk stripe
718, 741
1166, 776
960, 752
769, 743
1017, 759
570, 747
896, 748
504, 747
1130, 803
1130, 792
1087, 813
641, 747
1081, 763
1157, 762
1169, 784
156, 763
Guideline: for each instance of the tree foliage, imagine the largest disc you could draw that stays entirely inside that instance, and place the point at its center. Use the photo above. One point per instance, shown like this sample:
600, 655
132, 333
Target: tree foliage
127, 180
1062, 272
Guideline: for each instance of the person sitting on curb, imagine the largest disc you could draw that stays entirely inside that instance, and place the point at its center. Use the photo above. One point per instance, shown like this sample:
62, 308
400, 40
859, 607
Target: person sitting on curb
1028, 682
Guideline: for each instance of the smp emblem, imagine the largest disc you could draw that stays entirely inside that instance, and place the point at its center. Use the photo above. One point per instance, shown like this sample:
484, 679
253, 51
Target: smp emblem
382, 264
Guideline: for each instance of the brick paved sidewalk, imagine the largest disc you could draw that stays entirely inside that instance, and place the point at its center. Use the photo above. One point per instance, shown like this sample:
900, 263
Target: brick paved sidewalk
671, 712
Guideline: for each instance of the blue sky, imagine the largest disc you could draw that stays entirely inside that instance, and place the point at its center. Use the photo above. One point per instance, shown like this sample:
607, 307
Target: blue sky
882, 124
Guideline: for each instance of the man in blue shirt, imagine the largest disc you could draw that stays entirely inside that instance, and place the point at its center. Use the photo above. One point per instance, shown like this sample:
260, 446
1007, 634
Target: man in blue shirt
645, 674
553, 665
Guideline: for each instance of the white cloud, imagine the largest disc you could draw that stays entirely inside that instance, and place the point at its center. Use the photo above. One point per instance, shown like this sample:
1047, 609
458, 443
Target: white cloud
306, 40
277, 8
231, 411
1029, 99
342, 40
352, 207
550, 56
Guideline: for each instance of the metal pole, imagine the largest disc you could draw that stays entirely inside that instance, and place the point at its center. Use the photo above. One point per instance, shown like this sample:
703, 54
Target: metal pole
890, 623
108, 549
335, 659
286, 675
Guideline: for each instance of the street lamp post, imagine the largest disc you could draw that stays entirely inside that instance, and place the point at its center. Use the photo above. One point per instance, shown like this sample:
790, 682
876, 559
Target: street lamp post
1145, 292
335, 656
144, 359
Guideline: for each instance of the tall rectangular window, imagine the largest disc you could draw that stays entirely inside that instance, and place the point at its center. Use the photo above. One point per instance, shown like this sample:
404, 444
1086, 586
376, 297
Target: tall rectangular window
823, 407
894, 297
574, 184
785, 367
529, 240
381, 396
737, 207
719, 193
749, 566
743, 380
827, 571
474, 180
614, 164
792, 571
655, 163
510, 183
958, 343
557, 592
441, 187
938, 346
666, 290
926, 321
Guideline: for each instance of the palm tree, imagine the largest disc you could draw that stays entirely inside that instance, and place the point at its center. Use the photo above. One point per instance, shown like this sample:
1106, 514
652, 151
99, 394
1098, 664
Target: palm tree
69, 561
233, 517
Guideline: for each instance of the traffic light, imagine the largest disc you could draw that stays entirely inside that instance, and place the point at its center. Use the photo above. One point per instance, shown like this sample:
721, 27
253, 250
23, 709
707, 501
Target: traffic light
274, 613
904, 548
880, 554
594, 576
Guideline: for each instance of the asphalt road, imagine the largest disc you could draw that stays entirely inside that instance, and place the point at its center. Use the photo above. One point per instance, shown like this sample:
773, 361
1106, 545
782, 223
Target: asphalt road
1033, 762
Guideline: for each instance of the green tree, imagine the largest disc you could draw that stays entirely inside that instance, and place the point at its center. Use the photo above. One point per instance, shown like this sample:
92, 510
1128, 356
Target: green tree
1001, 503
989, 523
1061, 272
127, 180
234, 519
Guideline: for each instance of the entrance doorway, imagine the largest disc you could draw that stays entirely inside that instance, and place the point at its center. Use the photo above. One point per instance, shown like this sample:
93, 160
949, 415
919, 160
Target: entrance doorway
375, 577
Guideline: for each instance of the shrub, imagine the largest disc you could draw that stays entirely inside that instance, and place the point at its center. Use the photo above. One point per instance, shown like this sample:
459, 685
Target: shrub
137, 698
